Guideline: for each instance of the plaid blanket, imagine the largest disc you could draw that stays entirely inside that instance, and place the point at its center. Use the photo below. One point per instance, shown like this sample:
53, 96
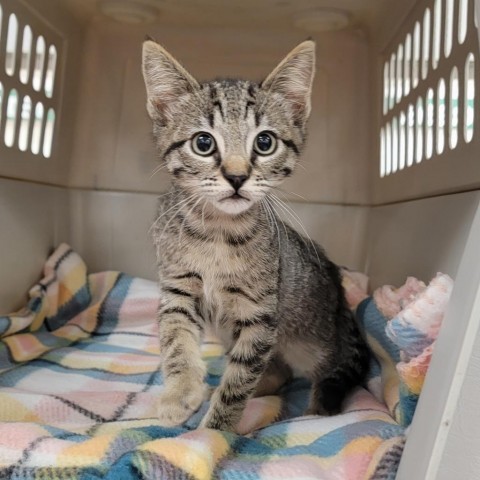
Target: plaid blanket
79, 374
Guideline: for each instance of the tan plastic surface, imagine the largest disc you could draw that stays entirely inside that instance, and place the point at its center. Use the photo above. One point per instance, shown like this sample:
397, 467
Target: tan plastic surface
418, 238
33, 220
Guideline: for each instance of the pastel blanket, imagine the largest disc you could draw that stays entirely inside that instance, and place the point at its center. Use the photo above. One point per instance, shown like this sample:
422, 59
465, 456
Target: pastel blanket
79, 374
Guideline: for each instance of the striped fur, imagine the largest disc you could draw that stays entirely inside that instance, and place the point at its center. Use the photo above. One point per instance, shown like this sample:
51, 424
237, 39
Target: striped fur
273, 298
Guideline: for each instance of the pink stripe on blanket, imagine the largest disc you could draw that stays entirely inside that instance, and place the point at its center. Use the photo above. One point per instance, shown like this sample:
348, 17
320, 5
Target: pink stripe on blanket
309, 467
15, 437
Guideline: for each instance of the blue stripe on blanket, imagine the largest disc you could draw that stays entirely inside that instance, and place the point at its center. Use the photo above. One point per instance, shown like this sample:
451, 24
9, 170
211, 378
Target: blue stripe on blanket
50, 340
108, 313
12, 377
35, 304
4, 324
77, 304
6, 360
368, 312
408, 338
407, 404
242, 468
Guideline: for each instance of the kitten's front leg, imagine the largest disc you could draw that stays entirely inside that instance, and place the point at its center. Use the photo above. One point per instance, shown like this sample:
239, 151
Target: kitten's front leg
180, 331
248, 360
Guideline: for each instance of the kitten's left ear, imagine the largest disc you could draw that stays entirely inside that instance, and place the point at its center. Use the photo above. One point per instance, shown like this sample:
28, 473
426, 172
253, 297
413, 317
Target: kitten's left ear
165, 80
293, 78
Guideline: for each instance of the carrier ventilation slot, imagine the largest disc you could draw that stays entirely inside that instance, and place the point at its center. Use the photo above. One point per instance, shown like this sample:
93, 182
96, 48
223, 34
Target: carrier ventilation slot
28, 83
429, 82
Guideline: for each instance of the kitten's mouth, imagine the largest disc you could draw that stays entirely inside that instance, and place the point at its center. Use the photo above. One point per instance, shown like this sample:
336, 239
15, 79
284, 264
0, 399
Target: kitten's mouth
235, 197
234, 204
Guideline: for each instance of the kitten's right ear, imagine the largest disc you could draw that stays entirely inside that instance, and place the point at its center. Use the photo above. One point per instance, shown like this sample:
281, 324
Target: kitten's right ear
165, 80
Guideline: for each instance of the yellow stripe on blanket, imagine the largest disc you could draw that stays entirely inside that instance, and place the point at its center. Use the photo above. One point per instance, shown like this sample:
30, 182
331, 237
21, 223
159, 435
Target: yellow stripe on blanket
19, 321
13, 410
211, 347
117, 366
197, 453
390, 380
86, 453
362, 445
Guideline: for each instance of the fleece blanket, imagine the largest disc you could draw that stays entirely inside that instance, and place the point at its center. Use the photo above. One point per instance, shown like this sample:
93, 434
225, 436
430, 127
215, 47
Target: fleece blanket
79, 374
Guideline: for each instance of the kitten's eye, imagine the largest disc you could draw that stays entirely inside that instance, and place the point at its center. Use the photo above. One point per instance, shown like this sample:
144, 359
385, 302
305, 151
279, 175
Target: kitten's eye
265, 143
203, 144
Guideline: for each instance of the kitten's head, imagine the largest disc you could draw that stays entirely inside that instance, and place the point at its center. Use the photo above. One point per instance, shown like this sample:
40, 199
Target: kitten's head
229, 141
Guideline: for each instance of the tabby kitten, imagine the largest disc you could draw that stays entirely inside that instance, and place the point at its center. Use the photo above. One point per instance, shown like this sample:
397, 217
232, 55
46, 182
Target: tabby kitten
273, 298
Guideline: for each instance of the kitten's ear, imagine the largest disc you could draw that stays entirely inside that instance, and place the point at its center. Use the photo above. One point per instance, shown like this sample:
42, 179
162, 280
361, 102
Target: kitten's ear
293, 78
165, 80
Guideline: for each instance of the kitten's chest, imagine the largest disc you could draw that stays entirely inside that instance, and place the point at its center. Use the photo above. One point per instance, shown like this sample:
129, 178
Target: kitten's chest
223, 269
216, 262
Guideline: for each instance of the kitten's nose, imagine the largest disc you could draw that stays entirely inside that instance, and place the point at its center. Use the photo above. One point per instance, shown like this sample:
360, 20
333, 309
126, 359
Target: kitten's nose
236, 181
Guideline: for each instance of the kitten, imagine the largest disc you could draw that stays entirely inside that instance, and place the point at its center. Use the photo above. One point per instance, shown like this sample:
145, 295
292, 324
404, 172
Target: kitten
273, 298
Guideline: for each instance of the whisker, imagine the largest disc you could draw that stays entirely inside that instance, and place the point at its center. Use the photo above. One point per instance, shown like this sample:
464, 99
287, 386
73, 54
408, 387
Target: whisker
289, 209
203, 215
278, 218
294, 215
265, 211
185, 218
157, 169
281, 221
267, 214
171, 192
191, 198
275, 223
291, 193
297, 219
168, 210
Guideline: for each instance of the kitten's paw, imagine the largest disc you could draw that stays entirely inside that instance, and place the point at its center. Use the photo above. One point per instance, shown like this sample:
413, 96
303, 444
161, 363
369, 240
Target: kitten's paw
218, 419
176, 405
